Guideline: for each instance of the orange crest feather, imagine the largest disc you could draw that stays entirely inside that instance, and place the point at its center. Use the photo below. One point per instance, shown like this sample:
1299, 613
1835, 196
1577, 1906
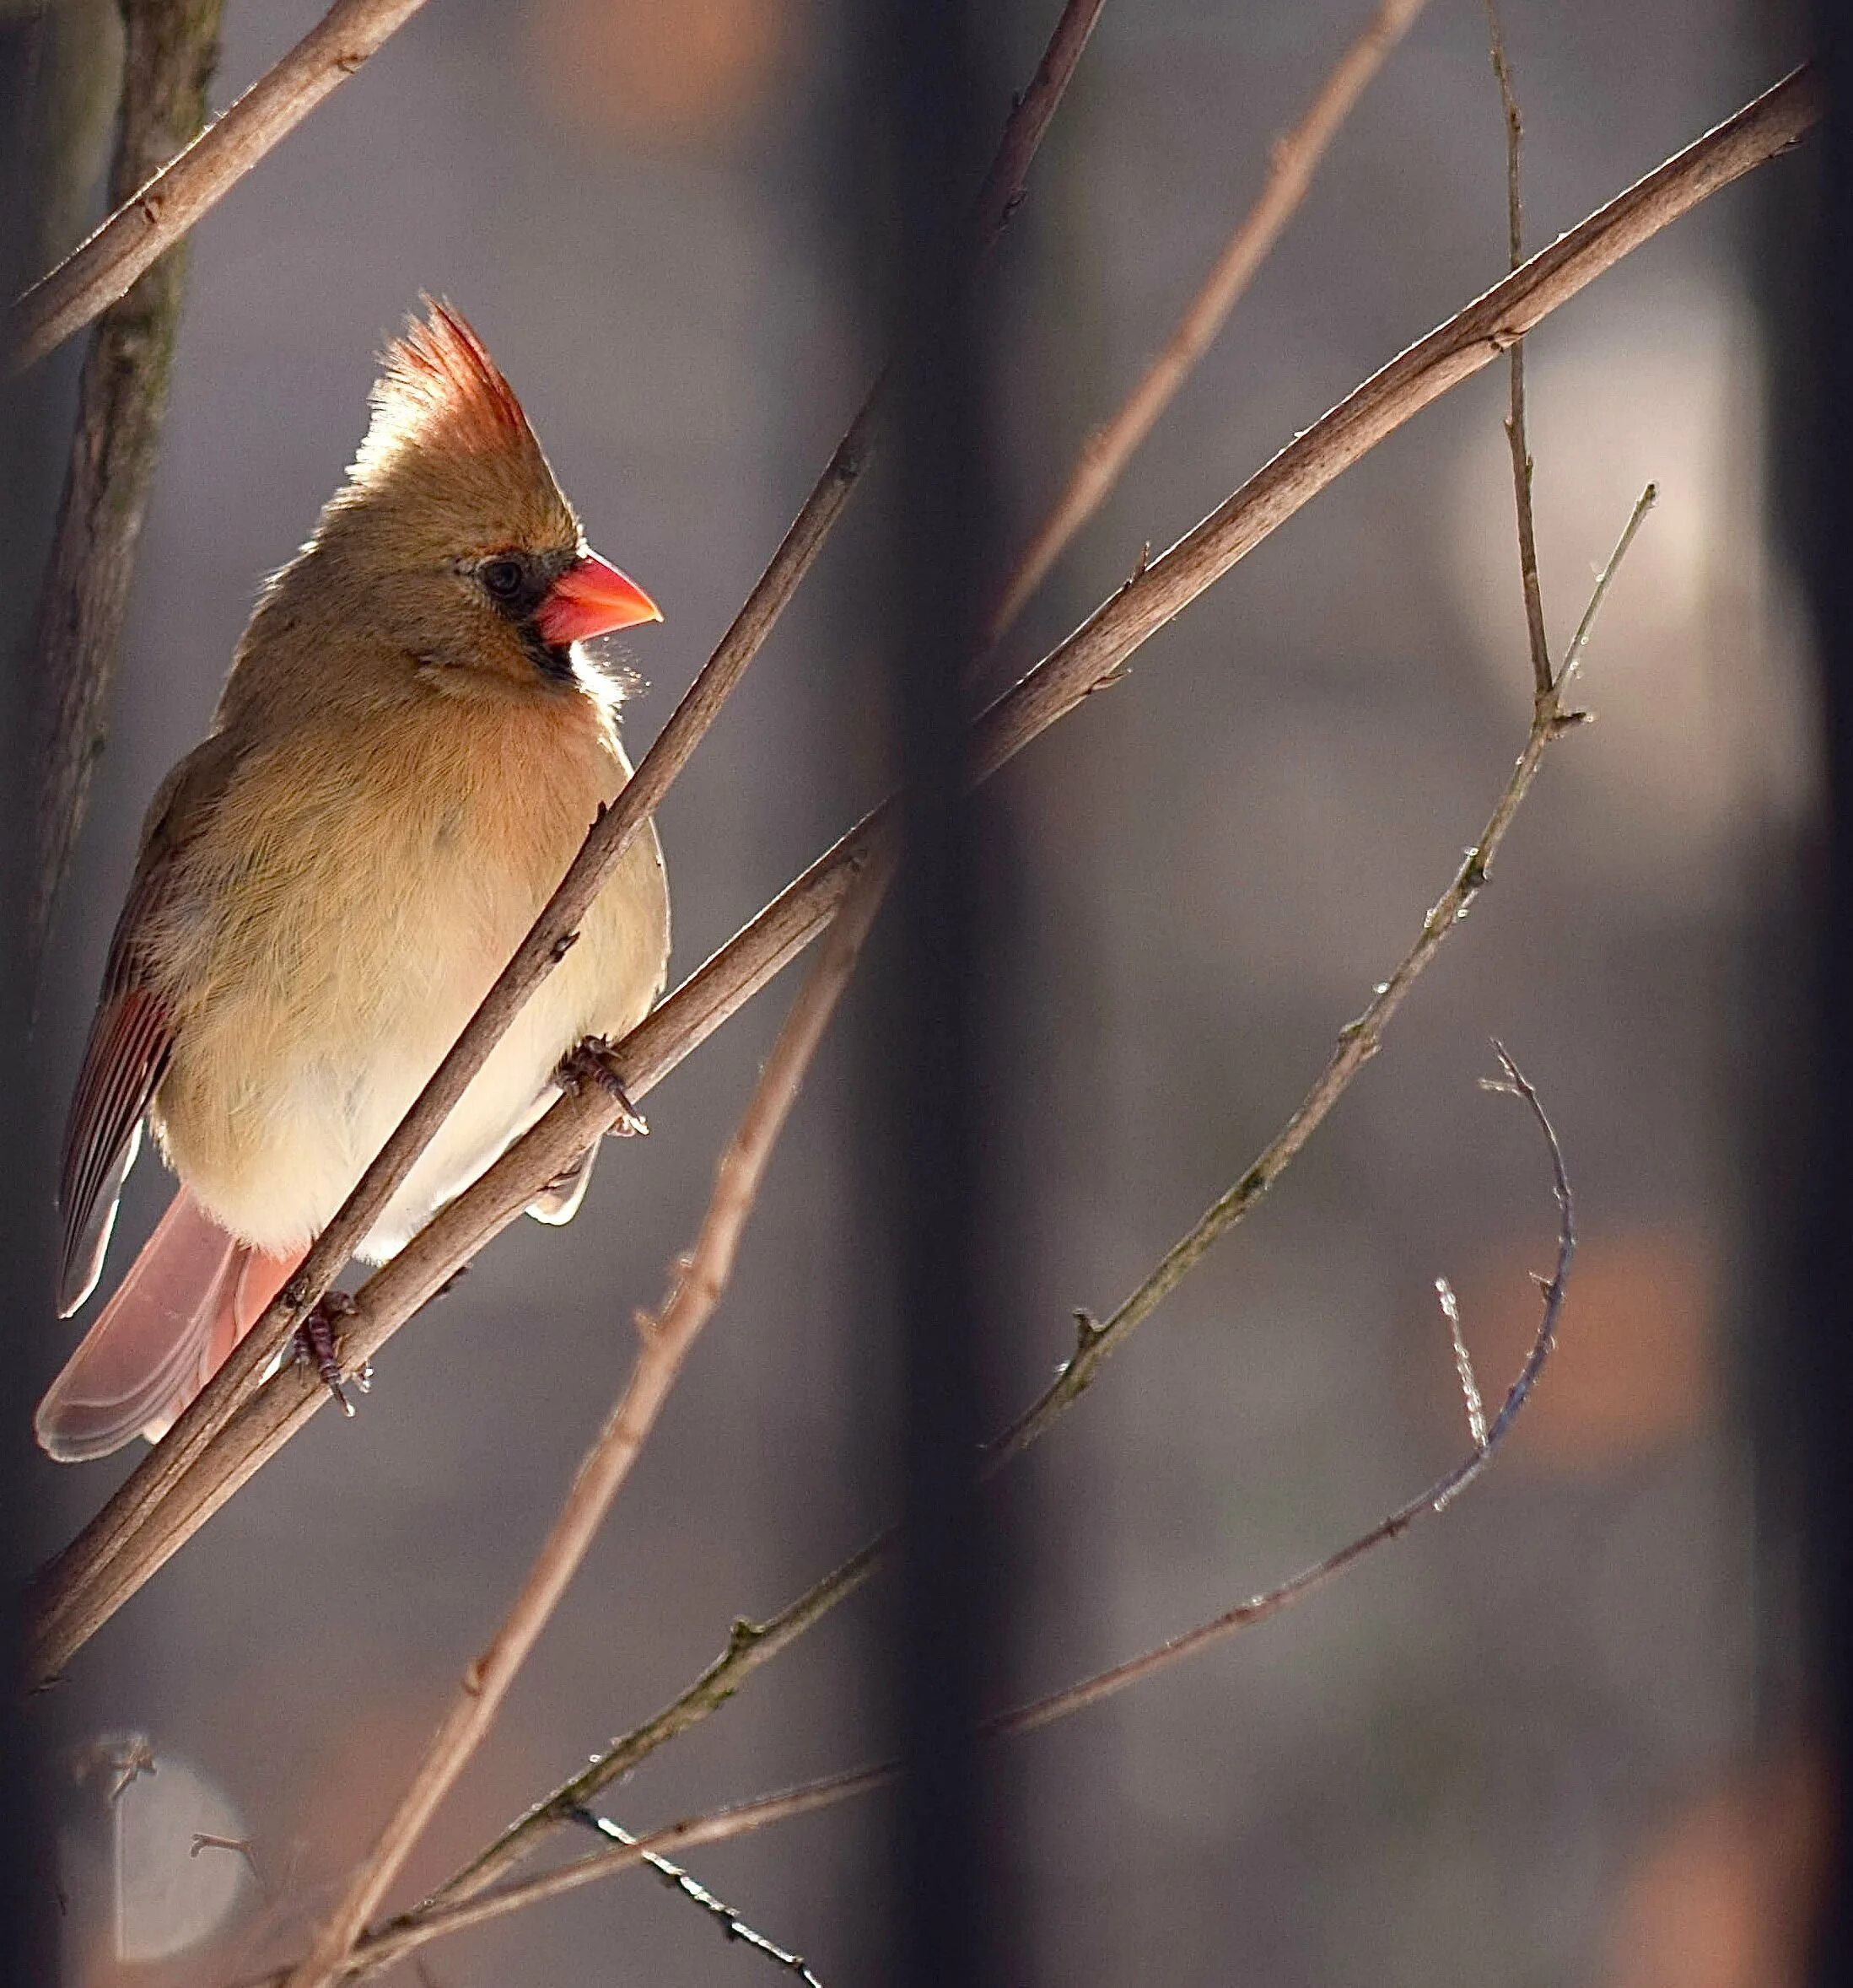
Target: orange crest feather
438, 386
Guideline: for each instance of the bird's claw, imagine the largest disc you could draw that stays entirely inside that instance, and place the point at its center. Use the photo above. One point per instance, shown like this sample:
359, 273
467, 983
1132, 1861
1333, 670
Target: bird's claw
316, 1344
586, 1064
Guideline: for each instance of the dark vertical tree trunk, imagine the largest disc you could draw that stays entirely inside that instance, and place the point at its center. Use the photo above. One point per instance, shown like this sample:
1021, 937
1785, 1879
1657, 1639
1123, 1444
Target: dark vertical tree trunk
1799, 1354
172, 51
27, 1880
930, 108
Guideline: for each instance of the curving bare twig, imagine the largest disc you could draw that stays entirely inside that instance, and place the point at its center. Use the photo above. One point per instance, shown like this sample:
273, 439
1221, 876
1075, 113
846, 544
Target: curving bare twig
151, 219
405, 1934
159, 1508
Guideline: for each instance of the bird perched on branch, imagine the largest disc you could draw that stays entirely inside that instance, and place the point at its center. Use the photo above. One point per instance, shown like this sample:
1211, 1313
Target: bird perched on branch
407, 754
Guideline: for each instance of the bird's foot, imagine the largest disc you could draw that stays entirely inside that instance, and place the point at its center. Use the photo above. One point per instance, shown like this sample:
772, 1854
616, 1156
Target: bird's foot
586, 1064
318, 1346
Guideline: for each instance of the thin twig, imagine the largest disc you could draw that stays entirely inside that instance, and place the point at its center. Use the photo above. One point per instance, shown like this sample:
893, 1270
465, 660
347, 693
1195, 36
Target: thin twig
156, 1510
1515, 421
157, 214
733, 1928
394, 1941
664, 1342
1436, 1498
403, 1935
751, 1645
1358, 1042
1292, 162
172, 49
237, 1380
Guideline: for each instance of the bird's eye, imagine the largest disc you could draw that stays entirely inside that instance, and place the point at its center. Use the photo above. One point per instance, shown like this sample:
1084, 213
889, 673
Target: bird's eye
503, 578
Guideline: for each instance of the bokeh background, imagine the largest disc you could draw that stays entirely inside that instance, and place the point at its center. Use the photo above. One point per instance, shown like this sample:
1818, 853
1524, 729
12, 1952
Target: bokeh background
1553, 1737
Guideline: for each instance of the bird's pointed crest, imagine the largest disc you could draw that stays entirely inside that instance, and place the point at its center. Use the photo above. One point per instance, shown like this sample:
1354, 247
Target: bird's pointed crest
438, 386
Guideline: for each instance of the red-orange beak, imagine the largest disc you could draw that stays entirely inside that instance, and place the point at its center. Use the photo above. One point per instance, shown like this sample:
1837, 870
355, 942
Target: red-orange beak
592, 598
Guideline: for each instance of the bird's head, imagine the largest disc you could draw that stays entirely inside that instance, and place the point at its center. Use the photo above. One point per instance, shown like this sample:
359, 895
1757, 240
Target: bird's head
451, 539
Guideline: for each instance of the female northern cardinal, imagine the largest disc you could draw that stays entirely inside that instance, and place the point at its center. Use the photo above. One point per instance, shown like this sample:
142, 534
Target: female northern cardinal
409, 750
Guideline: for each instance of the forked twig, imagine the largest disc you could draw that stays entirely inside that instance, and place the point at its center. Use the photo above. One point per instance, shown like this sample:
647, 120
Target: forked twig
404, 1935
751, 1645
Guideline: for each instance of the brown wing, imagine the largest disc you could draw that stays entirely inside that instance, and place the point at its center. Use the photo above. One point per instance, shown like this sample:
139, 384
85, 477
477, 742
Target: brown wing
130, 1040
132, 1037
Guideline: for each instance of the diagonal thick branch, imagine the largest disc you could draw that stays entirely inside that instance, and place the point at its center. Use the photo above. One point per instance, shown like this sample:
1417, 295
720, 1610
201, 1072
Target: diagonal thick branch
158, 1509
754, 1645
400, 1936
172, 49
237, 1380
157, 214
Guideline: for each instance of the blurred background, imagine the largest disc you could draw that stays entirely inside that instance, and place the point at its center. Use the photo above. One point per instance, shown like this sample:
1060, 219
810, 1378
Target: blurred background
1555, 1737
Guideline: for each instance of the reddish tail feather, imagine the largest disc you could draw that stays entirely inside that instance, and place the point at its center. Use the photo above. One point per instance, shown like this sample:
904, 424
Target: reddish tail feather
184, 1302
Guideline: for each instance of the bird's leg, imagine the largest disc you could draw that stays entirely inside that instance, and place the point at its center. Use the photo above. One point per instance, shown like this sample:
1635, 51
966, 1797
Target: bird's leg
316, 1344
586, 1064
